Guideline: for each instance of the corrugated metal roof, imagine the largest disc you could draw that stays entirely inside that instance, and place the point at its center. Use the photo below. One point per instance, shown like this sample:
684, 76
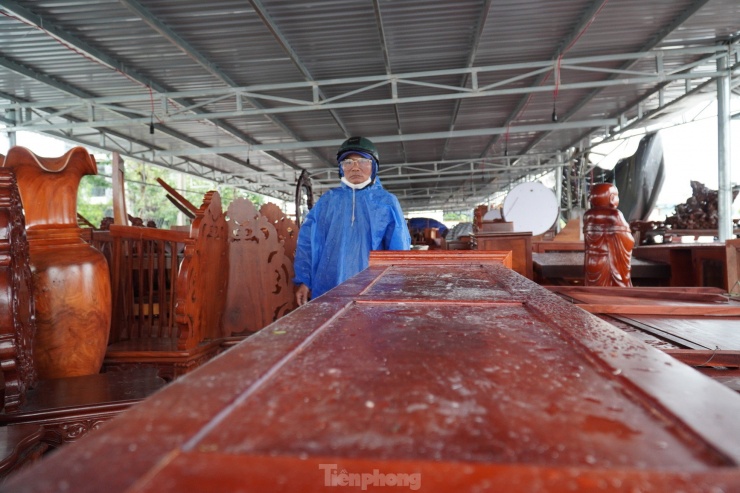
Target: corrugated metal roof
458, 94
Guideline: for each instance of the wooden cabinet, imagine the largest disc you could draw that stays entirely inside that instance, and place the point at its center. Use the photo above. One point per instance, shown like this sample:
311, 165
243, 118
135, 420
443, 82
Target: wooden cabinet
520, 245
692, 264
450, 374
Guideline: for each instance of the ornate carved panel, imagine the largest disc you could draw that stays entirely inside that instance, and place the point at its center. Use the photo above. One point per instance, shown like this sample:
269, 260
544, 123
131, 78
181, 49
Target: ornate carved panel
260, 272
286, 229
203, 278
17, 312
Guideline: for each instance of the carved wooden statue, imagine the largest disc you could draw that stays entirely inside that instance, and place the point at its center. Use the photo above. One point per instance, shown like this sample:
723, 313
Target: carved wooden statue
608, 239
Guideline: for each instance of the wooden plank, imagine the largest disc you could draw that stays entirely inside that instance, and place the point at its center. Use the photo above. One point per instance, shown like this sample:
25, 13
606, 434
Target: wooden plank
479, 380
558, 246
706, 331
188, 213
179, 198
713, 358
694, 310
733, 266
440, 257
681, 339
703, 295
569, 265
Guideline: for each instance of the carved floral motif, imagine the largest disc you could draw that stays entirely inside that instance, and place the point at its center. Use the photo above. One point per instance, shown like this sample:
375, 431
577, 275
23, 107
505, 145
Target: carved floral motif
17, 315
203, 272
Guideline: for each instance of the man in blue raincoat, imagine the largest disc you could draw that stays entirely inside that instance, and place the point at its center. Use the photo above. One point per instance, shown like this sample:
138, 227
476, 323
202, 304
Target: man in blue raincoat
347, 222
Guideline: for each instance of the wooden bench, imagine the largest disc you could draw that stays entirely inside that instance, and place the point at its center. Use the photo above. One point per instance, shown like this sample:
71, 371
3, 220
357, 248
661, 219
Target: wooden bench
699, 326
38, 414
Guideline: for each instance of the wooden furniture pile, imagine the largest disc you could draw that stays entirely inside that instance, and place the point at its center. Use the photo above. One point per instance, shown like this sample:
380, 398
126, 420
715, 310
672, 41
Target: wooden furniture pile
699, 326
169, 302
180, 298
692, 264
42, 413
518, 390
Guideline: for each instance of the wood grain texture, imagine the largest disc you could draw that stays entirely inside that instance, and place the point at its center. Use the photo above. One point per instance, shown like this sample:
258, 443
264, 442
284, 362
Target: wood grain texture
469, 375
700, 317
71, 281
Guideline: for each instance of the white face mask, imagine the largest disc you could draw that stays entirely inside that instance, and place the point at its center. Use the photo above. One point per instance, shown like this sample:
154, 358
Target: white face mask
357, 186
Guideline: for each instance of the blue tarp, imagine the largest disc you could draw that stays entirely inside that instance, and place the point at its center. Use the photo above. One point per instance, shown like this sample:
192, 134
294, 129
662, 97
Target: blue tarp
417, 224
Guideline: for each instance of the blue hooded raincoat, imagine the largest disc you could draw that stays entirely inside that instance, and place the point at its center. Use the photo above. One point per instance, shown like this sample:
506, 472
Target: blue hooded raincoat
332, 248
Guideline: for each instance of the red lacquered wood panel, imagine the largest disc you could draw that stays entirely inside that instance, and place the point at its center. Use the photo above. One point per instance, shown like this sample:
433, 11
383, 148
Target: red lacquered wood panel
464, 377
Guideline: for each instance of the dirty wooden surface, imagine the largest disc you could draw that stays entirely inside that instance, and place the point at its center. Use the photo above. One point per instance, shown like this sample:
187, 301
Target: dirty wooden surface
464, 377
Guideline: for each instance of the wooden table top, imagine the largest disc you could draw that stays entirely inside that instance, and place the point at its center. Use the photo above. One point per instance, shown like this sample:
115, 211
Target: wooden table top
463, 377
570, 265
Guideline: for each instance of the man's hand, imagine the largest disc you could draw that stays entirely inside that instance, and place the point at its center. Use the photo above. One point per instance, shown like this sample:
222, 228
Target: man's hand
302, 294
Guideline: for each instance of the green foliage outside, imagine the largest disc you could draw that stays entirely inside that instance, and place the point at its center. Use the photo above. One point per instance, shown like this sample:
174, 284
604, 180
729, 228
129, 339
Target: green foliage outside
457, 217
145, 198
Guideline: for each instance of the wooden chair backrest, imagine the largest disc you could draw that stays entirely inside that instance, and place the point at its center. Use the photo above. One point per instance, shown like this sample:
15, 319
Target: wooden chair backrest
287, 229
17, 311
202, 282
144, 265
230, 275
260, 288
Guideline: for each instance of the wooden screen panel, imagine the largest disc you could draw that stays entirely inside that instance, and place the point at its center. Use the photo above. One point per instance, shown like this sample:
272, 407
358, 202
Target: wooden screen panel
527, 392
286, 229
260, 285
203, 278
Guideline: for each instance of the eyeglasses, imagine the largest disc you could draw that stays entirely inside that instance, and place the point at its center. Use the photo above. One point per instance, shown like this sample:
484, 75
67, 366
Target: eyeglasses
362, 163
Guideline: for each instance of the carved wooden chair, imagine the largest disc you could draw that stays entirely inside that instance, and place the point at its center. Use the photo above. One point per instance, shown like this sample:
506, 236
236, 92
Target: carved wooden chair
168, 289
235, 277
37, 414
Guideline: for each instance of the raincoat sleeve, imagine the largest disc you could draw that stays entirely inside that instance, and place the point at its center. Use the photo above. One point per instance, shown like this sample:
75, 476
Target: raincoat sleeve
304, 253
397, 235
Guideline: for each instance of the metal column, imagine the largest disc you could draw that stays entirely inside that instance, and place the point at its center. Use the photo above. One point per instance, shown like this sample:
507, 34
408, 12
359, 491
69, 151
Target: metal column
724, 188
11, 116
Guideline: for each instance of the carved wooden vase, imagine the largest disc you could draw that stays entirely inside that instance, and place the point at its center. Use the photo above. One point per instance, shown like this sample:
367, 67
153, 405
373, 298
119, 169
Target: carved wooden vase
71, 280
